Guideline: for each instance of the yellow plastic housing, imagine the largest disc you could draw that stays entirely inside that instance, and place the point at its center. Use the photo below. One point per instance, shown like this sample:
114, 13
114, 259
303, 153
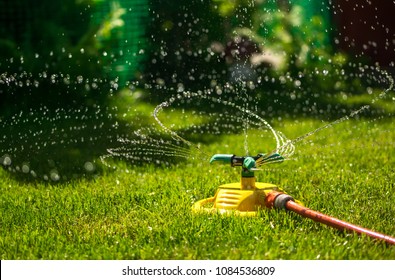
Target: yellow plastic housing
244, 198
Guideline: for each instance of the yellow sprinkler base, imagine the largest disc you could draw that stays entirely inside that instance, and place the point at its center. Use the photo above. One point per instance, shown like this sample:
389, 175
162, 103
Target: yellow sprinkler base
244, 198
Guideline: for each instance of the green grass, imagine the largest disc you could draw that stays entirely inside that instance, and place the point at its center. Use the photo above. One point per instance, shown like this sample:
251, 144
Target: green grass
346, 171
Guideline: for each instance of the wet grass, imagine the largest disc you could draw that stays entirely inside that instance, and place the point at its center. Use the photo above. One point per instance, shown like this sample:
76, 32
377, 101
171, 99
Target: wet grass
145, 213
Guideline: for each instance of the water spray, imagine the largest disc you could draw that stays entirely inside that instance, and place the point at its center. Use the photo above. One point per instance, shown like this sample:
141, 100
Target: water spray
247, 197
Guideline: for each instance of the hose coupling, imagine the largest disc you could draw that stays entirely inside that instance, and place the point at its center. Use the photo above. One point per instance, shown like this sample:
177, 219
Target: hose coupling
281, 200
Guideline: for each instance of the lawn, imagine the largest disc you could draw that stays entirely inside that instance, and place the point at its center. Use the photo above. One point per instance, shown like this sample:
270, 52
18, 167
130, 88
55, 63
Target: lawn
144, 211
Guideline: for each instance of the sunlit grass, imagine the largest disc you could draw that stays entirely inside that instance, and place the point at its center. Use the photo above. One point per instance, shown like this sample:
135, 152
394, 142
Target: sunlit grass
345, 171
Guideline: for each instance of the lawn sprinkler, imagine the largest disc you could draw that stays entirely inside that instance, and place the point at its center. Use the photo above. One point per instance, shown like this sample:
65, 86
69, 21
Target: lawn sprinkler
247, 197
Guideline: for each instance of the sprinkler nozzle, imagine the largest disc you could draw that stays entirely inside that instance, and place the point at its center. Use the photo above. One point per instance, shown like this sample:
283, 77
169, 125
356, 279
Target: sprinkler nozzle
236, 160
248, 164
226, 158
271, 158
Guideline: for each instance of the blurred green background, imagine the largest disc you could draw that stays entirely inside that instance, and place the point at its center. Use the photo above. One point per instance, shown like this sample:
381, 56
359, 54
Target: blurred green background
168, 46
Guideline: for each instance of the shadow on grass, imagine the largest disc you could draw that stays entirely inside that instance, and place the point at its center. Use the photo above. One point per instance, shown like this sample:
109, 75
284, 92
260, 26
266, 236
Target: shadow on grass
61, 144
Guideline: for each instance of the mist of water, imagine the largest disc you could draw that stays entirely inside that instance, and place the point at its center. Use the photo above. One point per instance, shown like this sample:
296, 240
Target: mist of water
244, 93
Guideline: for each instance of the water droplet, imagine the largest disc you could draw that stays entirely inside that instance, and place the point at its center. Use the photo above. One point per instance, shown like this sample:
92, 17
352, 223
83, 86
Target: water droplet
25, 168
89, 166
6, 160
54, 175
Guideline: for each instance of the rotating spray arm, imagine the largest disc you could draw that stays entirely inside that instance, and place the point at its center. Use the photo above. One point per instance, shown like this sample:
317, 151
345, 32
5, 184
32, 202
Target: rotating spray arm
247, 162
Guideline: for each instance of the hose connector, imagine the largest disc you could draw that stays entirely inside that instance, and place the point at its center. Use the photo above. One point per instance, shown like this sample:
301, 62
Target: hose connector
277, 200
281, 201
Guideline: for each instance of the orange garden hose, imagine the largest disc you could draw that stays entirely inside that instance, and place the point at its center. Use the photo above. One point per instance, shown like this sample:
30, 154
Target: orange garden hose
280, 200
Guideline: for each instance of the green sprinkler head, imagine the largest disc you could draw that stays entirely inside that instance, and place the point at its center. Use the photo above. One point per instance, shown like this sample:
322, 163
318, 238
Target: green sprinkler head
247, 163
234, 160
